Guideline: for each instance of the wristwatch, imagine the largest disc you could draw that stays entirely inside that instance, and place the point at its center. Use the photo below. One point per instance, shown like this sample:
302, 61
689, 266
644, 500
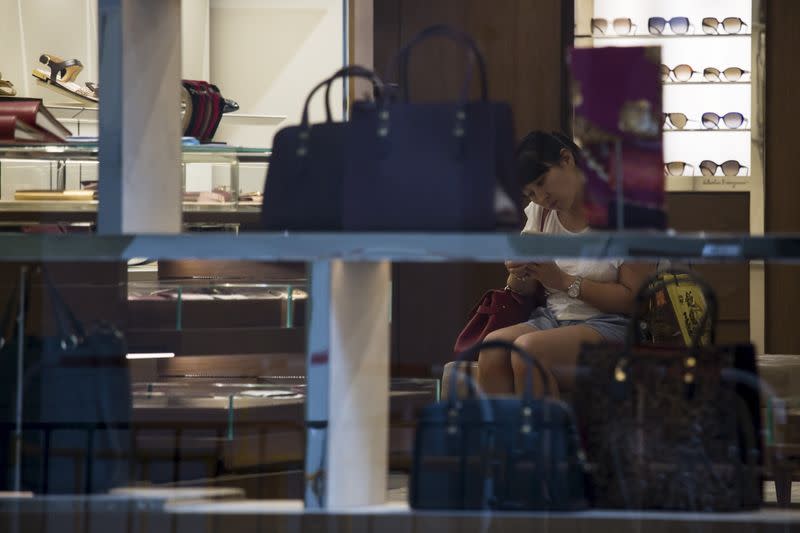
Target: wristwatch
574, 289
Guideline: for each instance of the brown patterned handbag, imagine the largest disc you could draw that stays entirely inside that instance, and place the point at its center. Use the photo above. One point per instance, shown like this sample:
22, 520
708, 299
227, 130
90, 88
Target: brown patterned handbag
670, 427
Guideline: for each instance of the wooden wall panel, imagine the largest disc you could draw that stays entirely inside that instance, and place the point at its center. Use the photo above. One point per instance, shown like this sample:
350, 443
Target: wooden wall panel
731, 281
540, 86
522, 41
782, 188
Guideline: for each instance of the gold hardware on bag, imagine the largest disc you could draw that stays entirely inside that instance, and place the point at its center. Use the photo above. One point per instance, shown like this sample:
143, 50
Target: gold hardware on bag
688, 378
691, 362
619, 370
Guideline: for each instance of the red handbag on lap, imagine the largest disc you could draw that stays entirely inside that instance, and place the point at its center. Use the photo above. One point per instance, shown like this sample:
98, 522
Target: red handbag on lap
499, 309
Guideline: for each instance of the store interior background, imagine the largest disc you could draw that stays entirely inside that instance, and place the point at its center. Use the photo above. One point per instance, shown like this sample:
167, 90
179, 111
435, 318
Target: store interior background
267, 55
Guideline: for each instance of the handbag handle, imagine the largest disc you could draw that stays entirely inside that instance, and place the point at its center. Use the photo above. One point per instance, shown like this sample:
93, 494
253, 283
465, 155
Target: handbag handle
531, 361
655, 283
403, 57
350, 71
65, 318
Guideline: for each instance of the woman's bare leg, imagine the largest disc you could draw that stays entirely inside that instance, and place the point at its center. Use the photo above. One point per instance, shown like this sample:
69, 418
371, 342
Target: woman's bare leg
495, 374
557, 349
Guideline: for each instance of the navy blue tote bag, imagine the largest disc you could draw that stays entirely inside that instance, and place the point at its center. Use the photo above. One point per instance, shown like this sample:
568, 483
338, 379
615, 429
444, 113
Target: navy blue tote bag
440, 166
498, 452
76, 410
303, 190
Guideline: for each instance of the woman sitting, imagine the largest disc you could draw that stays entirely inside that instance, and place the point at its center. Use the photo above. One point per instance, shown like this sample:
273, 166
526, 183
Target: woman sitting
587, 300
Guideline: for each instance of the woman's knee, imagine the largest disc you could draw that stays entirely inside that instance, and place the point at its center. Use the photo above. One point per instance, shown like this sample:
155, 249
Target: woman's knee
528, 344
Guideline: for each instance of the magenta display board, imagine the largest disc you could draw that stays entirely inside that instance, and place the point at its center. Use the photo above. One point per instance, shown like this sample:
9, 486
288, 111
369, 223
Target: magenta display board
616, 93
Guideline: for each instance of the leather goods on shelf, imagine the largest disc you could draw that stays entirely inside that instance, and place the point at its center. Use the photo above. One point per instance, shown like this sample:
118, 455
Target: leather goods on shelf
6, 87
444, 166
304, 186
14, 130
55, 196
502, 453
61, 76
670, 427
33, 112
204, 107
76, 404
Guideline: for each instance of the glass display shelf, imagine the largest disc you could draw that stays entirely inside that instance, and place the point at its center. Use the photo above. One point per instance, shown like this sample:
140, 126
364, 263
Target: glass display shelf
218, 392
202, 289
178, 294
403, 247
90, 206
721, 130
692, 83
204, 153
235, 399
82, 113
648, 36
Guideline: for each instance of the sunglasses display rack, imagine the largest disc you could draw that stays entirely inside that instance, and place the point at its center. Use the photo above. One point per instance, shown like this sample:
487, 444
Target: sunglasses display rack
712, 71
710, 102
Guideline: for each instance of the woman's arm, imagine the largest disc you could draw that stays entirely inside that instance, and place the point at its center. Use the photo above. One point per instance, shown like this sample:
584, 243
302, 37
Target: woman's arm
610, 297
619, 297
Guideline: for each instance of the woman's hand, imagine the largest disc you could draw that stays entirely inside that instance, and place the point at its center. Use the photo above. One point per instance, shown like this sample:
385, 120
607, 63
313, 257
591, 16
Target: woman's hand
518, 270
549, 275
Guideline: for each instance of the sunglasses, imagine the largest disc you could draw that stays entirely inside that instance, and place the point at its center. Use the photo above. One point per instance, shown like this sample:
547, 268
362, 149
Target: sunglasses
622, 26
729, 168
707, 168
679, 25
730, 25
685, 72
730, 73
676, 120
676, 168
709, 120
681, 72
731, 120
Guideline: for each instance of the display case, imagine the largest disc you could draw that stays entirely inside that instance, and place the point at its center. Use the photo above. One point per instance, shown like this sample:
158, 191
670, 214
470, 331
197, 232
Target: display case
696, 101
342, 432
220, 183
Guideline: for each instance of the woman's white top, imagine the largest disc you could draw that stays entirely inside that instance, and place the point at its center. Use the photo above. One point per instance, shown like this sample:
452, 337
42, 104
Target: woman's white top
558, 302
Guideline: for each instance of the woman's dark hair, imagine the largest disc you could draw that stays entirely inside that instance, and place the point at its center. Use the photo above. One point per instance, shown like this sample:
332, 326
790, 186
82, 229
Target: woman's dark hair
539, 151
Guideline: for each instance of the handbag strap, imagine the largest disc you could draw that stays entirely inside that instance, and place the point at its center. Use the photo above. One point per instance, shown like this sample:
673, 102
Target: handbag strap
70, 329
402, 58
656, 283
377, 85
350, 71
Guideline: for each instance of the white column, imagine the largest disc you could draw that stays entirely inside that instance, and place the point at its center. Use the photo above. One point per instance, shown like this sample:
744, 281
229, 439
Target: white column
140, 150
348, 385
